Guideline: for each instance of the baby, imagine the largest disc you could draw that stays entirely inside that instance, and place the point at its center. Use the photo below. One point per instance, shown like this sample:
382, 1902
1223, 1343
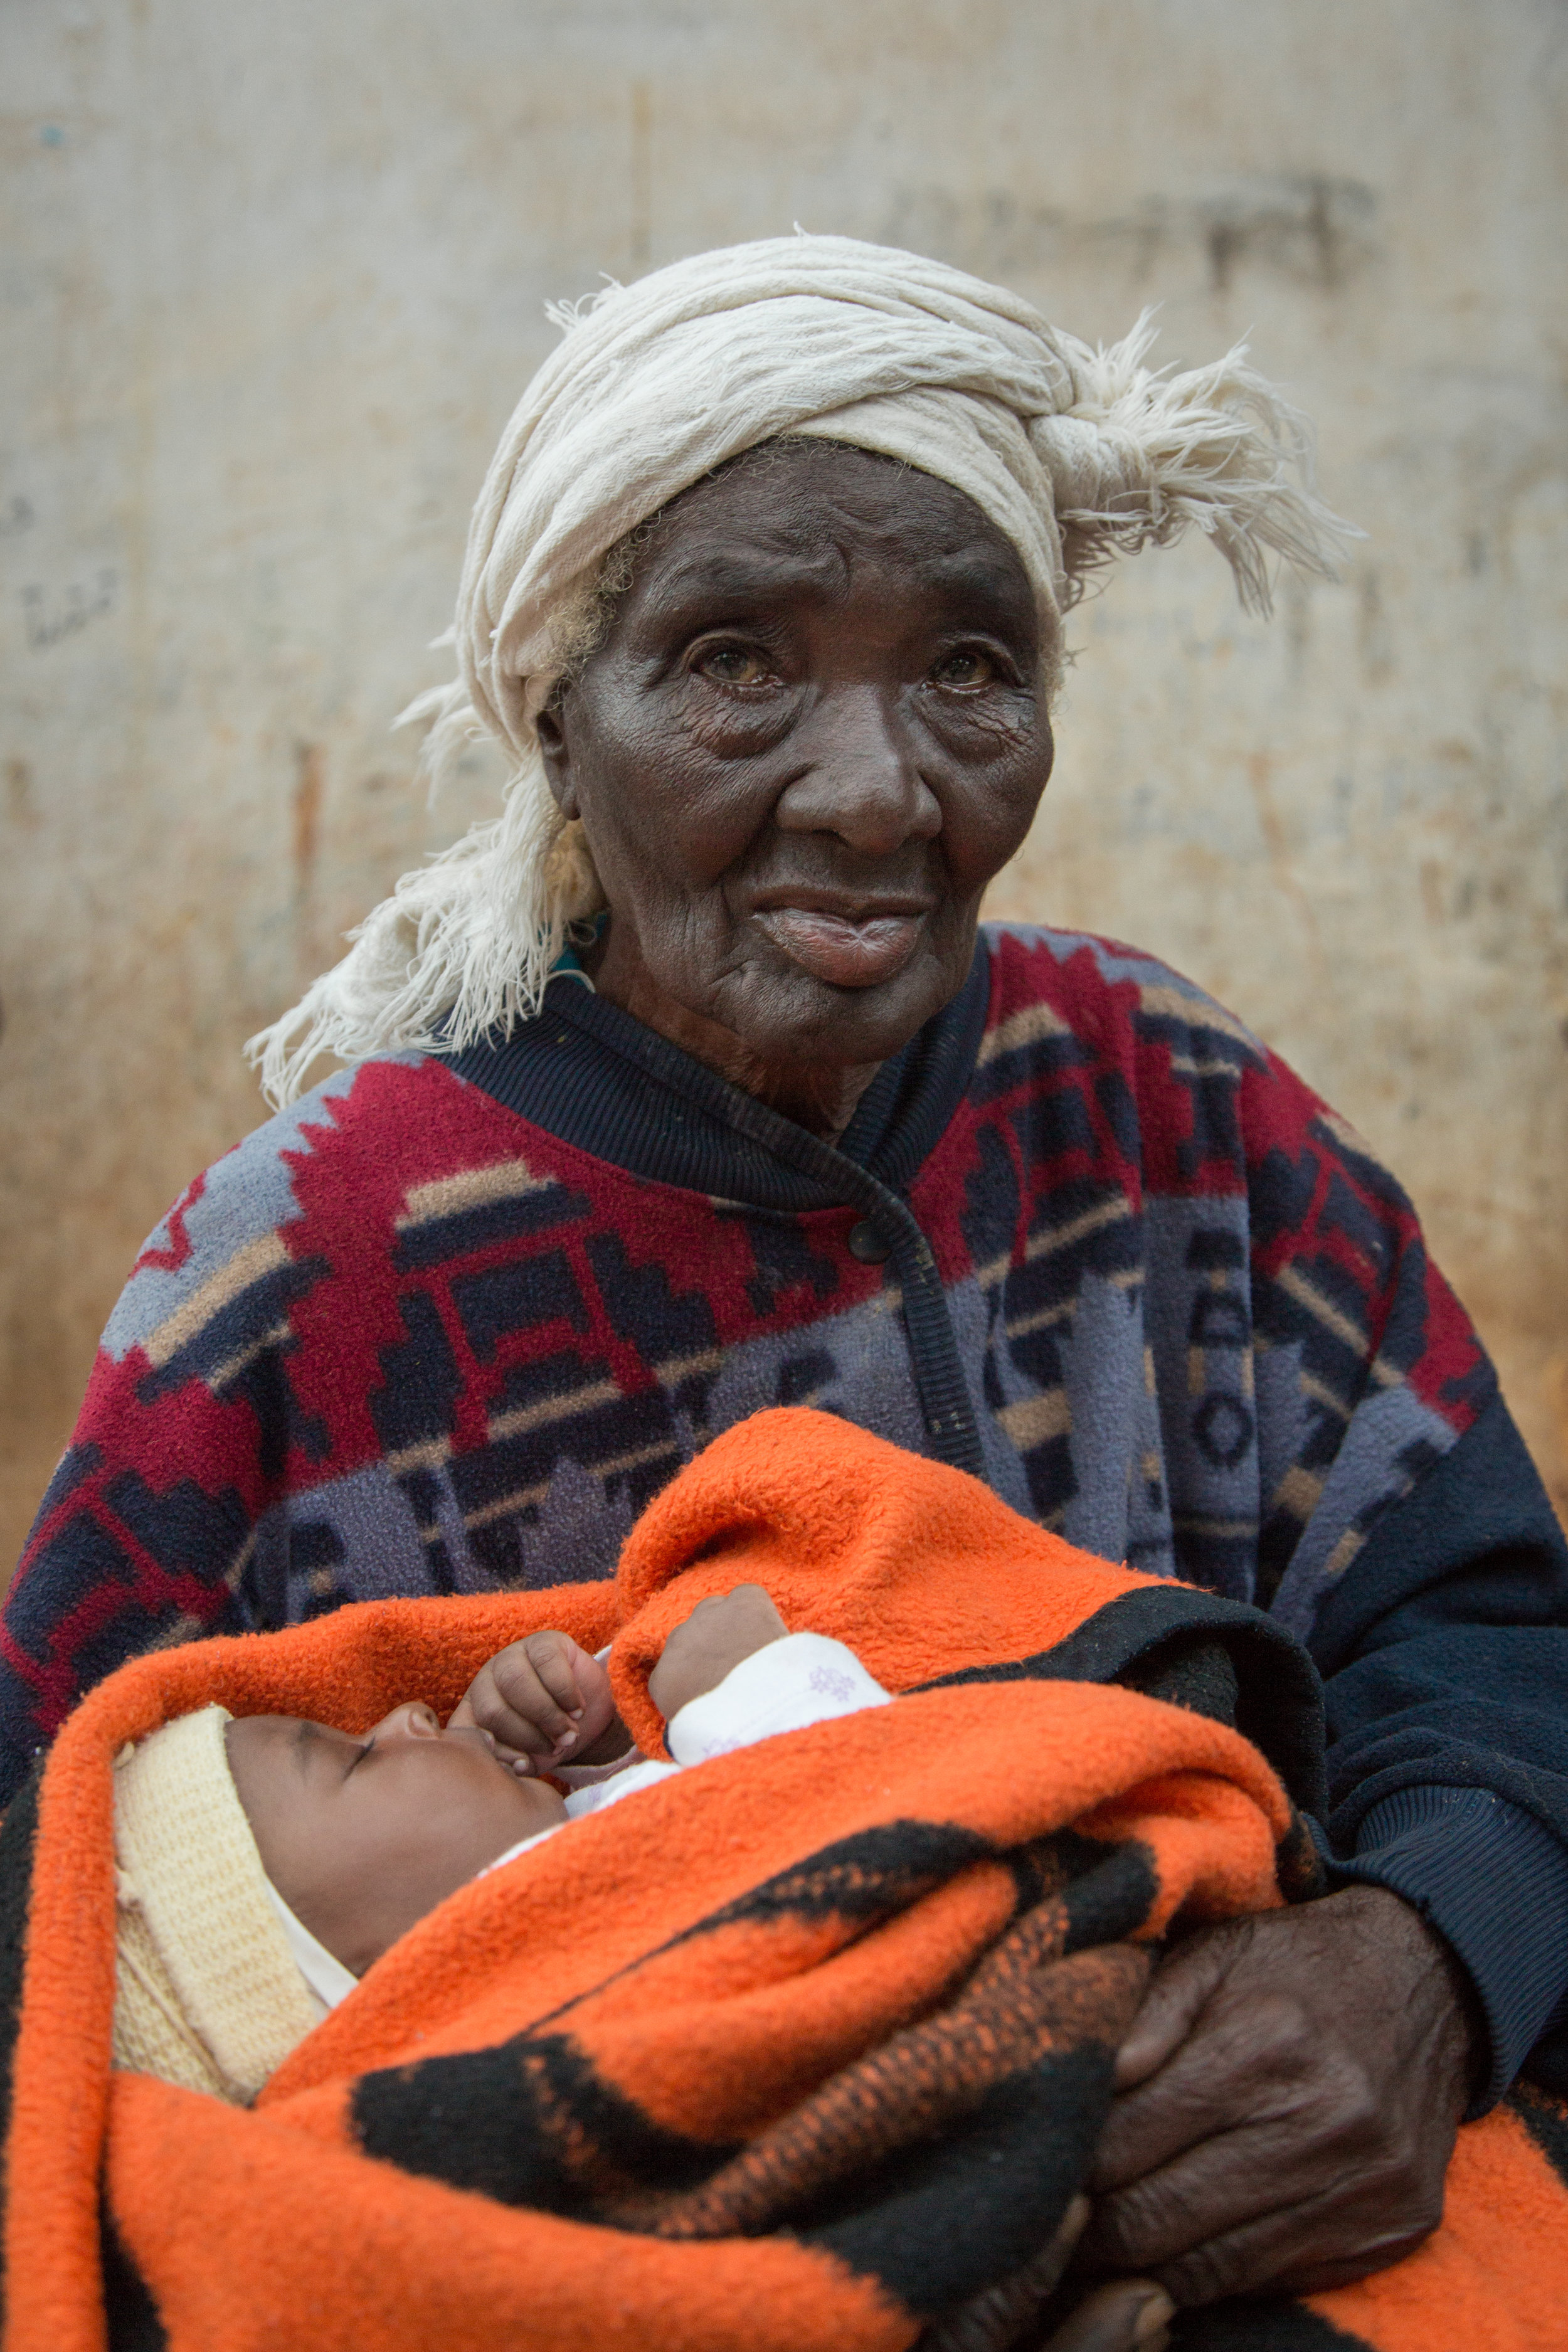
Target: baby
266, 1861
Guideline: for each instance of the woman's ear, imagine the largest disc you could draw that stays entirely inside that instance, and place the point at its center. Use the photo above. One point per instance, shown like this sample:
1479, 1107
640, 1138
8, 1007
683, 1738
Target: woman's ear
555, 751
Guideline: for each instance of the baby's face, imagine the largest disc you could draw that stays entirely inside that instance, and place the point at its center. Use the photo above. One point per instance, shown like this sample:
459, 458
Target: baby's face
362, 1835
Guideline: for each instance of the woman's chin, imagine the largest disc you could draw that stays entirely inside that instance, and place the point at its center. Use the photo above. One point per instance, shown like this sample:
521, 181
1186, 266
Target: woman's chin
787, 1016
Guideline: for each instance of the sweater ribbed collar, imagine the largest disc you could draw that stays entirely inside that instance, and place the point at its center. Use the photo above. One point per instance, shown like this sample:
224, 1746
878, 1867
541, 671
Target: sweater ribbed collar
596, 1078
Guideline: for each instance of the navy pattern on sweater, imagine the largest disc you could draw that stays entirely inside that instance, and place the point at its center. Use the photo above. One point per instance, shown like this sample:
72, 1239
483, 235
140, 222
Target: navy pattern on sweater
448, 1323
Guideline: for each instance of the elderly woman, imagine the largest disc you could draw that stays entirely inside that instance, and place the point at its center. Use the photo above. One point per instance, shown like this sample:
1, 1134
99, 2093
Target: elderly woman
691, 1086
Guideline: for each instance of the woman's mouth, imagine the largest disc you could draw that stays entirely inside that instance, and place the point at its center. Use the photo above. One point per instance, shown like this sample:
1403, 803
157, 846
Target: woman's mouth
846, 951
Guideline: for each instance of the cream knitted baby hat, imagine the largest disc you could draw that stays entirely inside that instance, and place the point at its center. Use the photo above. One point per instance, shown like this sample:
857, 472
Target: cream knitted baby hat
209, 1996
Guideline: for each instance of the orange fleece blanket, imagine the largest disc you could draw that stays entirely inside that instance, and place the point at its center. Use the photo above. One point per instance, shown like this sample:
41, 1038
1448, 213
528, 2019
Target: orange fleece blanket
808, 2047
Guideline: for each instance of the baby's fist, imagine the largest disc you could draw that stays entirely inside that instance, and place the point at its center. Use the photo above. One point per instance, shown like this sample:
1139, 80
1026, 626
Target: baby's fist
544, 1701
720, 1633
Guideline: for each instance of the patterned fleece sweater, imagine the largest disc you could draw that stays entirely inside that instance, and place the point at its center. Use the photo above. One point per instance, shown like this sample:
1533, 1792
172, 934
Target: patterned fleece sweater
448, 1323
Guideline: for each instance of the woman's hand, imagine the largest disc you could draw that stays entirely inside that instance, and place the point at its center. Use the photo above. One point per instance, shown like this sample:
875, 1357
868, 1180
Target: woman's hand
720, 1633
1288, 2100
544, 1702
1119, 2316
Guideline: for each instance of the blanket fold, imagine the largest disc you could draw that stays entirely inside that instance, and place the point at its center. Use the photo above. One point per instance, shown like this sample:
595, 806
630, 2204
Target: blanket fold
809, 2047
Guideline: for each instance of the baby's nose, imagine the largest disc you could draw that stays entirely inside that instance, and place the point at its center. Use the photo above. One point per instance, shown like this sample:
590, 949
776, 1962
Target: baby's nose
411, 1720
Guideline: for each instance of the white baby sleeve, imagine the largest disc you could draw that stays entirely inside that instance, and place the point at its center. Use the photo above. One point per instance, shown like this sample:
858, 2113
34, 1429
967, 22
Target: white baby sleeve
594, 1799
806, 1678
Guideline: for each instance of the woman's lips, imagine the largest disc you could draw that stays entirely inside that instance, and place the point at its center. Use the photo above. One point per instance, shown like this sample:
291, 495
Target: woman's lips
844, 953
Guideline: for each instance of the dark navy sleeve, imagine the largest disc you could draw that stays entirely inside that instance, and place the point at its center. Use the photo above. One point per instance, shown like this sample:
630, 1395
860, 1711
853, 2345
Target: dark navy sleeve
1444, 1651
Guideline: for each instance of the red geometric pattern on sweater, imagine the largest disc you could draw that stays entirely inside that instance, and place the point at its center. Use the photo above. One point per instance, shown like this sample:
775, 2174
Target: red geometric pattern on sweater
405, 1340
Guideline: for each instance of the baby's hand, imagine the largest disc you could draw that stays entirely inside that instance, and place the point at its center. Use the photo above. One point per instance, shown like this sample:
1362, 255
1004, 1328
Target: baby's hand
717, 1635
544, 1702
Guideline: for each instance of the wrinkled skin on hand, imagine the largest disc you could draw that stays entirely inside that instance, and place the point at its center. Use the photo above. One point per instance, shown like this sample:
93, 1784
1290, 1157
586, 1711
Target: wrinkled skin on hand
1286, 2102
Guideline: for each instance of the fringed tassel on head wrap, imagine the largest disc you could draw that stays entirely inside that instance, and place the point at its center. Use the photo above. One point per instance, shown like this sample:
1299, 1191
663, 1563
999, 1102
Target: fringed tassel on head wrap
1142, 454
1077, 455
464, 944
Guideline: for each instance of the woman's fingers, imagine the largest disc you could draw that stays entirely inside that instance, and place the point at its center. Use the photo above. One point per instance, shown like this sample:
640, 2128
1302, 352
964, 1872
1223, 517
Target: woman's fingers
1177, 1995
1212, 2190
1298, 2135
1295, 2203
1297, 2250
1244, 2064
1047, 2267
1125, 2316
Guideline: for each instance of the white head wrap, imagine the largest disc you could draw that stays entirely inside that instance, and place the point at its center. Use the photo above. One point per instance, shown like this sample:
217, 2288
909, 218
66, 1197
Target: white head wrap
1075, 454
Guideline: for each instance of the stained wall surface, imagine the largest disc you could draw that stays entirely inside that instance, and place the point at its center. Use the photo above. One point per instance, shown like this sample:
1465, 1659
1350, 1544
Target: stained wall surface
274, 280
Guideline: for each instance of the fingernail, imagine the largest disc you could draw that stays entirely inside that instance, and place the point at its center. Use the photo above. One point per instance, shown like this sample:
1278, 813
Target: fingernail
1154, 2315
567, 1740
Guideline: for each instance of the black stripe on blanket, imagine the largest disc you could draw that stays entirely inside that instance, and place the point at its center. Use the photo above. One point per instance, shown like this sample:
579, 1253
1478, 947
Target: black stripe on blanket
951, 2218
944, 2213
133, 2322
18, 1835
1270, 2325
1161, 1639
1546, 2120
530, 2123
133, 2315
943, 2221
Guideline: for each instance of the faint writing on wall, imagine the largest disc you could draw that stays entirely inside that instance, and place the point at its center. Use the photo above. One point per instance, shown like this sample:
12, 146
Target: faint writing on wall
46, 619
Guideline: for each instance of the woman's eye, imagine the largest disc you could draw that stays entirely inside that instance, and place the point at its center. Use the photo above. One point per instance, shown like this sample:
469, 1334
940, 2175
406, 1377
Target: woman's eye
733, 666
971, 666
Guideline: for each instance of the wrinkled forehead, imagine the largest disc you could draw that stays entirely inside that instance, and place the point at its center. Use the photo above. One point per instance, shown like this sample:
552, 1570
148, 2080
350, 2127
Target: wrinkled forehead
809, 510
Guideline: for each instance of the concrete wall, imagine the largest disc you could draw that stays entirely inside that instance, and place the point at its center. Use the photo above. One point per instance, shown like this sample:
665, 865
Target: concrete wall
275, 280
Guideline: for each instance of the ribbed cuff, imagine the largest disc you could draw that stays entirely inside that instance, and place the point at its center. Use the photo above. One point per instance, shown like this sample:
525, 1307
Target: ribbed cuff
1494, 1883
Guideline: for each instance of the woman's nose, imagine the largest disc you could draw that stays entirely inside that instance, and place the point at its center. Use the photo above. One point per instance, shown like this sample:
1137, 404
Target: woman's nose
411, 1720
864, 783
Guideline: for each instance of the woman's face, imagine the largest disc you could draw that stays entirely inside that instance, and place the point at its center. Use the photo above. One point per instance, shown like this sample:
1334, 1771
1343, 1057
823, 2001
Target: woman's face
814, 731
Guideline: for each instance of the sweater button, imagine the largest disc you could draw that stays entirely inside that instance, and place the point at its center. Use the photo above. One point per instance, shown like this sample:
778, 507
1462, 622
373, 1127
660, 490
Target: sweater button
867, 1243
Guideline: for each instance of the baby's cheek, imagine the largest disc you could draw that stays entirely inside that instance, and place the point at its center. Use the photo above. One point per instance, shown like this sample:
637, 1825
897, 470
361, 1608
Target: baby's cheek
543, 1806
